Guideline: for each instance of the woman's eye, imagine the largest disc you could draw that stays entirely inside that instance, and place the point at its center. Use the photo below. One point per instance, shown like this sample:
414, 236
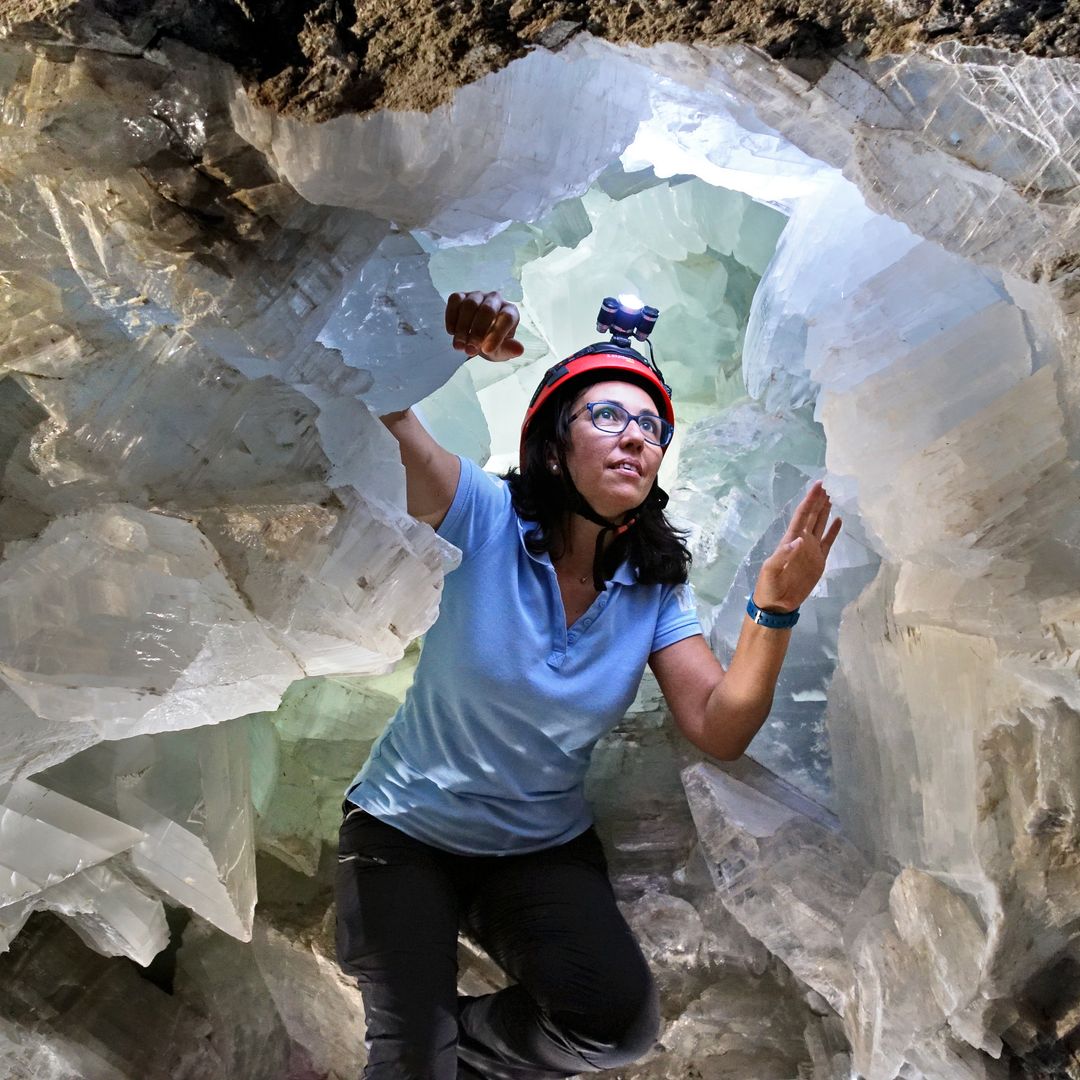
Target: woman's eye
650, 425
605, 412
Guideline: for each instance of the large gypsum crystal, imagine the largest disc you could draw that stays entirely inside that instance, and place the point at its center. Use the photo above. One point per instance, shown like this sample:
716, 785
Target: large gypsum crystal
61, 855
204, 302
198, 507
276, 1006
188, 792
307, 751
163, 639
66, 1011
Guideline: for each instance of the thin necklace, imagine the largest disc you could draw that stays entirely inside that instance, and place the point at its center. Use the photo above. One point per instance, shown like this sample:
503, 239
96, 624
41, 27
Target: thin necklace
584, 579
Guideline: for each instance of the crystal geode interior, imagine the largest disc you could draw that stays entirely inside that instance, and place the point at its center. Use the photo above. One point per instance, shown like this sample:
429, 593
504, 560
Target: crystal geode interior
210, 593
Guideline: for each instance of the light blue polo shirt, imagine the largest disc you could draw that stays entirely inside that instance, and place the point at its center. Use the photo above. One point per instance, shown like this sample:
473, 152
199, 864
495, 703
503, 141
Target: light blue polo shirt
487, 755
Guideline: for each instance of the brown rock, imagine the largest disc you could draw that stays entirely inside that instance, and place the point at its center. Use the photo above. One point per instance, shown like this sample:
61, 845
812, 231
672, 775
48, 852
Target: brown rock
319, 58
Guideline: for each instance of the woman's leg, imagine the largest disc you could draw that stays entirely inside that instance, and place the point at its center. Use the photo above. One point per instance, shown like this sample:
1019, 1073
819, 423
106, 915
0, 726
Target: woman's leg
397, 927
585, 999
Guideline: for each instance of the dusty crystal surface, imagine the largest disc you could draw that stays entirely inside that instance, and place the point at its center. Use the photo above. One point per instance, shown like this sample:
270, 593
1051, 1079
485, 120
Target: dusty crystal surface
866, 268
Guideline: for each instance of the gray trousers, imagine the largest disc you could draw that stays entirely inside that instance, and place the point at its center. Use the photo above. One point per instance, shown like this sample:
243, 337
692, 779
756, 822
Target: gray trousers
584, 999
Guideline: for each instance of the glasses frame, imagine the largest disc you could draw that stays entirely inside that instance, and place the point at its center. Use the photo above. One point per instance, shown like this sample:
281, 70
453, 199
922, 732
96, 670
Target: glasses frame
664, 425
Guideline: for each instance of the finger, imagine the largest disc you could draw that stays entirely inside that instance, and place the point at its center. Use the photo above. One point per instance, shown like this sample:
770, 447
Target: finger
797, 523
459, 315
796, 529
830, 537
822, 519
453, 303
502, 328
483, 318
463, 320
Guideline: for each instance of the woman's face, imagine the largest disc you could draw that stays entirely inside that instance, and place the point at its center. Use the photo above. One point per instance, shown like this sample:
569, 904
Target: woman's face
613, 472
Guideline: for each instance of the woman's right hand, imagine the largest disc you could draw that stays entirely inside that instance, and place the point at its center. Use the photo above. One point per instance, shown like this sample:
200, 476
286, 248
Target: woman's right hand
483, 324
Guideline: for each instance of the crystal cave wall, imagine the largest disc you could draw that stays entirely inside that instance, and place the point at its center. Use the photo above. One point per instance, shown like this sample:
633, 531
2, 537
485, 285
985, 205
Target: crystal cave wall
210, 591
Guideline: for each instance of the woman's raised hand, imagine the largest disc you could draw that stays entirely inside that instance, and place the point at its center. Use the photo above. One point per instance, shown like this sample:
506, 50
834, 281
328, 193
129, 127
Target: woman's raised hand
483, 324
790, 573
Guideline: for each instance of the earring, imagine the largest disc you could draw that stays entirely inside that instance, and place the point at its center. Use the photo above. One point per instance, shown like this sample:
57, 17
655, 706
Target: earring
555, 469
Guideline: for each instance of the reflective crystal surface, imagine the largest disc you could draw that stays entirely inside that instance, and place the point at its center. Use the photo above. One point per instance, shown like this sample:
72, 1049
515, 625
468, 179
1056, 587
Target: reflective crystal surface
49, 838
189, 794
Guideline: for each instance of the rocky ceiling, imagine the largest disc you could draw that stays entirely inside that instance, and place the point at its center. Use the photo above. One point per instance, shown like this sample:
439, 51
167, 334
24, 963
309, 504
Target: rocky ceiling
316, 61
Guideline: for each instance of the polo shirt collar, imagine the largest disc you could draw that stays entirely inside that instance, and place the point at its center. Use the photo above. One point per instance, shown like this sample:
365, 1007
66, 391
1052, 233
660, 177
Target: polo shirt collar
624, 573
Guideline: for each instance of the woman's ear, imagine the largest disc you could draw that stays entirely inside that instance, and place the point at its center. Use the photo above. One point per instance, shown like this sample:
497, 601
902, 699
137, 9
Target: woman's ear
551, 459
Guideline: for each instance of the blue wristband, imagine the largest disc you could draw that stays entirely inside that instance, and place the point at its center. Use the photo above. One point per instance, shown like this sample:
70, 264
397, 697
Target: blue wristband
773, 622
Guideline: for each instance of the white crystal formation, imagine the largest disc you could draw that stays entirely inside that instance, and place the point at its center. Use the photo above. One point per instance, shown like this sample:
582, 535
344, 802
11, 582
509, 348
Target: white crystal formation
198, 506
189, 794
162, 638
49, 838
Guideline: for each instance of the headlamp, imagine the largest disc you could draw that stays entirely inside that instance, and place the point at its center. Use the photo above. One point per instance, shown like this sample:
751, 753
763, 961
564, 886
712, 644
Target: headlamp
624, 317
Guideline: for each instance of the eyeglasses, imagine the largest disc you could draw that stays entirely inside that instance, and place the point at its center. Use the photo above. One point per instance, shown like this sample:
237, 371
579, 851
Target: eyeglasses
613, 419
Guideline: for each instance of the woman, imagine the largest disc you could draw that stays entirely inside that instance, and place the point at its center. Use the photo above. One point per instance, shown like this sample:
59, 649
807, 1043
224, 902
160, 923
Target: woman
469, 812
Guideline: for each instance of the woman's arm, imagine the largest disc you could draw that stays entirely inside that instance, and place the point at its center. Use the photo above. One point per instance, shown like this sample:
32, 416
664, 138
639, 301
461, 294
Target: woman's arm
431, 473
721, 711
480, 324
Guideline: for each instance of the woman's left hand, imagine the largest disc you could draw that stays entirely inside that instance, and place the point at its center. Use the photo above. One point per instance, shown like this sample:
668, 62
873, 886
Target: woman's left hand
790, 573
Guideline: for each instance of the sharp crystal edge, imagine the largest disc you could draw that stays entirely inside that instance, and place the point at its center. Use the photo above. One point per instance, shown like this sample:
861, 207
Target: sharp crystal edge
49, 838
109, 911
189, 794
205, 305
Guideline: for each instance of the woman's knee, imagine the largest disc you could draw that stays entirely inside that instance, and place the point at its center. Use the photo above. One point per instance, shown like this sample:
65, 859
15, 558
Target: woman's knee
620, 1028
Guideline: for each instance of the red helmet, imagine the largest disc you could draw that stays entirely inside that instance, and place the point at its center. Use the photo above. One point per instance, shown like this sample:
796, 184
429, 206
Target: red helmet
591, 365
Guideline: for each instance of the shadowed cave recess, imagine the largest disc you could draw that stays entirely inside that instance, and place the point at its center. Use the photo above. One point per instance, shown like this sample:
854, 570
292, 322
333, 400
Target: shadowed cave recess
225, 251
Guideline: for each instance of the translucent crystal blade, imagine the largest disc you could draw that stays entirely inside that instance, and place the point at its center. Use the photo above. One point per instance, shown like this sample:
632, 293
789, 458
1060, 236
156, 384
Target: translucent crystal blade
192, 802
104, 907
29, 744
346, 161
390, 323
132, 627
276, 999
789, 880
48, 838
297, 565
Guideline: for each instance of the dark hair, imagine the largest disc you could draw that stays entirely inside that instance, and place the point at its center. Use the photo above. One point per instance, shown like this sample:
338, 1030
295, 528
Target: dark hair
656, 550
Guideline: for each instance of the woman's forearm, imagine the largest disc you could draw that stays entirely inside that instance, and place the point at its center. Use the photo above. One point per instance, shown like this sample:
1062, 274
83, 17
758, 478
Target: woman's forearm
741, 701
431, 473
740, 698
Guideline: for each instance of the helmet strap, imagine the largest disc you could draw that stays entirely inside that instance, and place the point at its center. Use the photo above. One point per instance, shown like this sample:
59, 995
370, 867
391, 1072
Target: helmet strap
580, 506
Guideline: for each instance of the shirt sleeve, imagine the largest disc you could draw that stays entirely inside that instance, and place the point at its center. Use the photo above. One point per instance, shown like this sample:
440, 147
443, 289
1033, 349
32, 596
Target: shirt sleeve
677, 618
480, 508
